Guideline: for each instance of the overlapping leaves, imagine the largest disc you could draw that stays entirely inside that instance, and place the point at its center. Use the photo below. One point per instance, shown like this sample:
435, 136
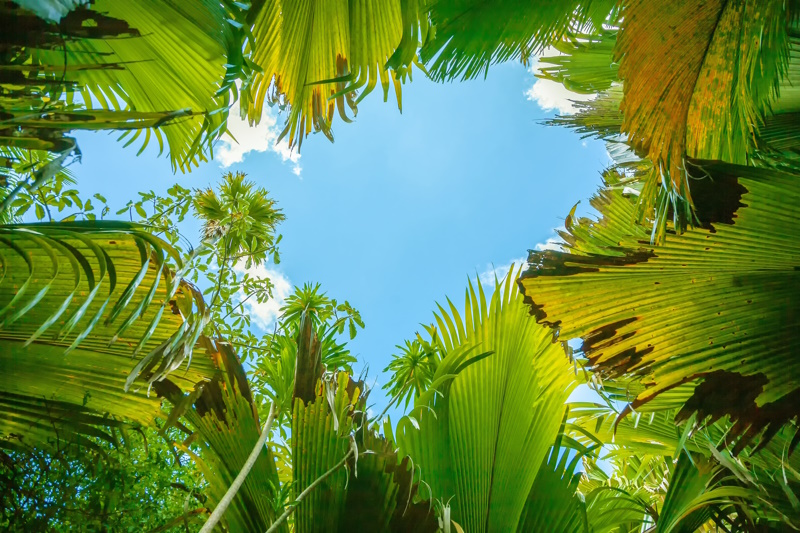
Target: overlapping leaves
715, 80
376, 492
315, 55
157, 68
471, 35
714, 308
223, 425
78, 301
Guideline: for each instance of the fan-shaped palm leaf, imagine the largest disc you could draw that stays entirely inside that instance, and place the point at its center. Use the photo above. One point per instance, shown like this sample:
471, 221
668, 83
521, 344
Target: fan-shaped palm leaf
225, 428
586, 64
715, 304
473, 34
375, 493
720, 86
314, 55
553, 503
699, 78
481, 438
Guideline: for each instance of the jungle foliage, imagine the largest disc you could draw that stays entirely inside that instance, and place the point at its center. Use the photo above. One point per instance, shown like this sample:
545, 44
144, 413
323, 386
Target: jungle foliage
133, 386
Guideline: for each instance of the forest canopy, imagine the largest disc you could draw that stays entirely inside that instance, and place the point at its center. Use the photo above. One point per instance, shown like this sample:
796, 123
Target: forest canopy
137, 396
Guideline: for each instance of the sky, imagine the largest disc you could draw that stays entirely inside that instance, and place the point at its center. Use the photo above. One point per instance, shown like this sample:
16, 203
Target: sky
402, 209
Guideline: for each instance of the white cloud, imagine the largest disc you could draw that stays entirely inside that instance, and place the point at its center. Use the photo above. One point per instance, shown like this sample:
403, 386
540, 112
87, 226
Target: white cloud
248, 139
554, 243
491, 272
264, 315
550, 95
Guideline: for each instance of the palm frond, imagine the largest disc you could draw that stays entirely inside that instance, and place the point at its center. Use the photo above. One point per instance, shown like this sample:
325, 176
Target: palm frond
315, 56
554, 503
471, 35
225, 428
697, 493
586, 64
78, 301
481, 435
376, 492
699, 78
715, 304
157, 67
600, 118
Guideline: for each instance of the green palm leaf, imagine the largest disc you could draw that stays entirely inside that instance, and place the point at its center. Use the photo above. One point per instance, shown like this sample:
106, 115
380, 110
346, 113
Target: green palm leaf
480, 436
318, 54
225, 427
375, 493
695, 490
715, 304
154, 66
473, 34
640, 448
553, 503
586, 64
78, 301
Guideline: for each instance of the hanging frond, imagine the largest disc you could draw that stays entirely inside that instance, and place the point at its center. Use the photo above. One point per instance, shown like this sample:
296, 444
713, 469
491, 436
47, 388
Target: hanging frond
586, 64
316, 55
471, 35
699, 78
160, 68
600, 118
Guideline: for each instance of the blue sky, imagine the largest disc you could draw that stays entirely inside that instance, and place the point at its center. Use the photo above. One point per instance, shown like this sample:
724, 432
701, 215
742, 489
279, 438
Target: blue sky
402, 208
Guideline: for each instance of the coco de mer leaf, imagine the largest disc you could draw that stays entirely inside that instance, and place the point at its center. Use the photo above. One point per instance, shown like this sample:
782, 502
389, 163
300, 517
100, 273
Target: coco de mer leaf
377, 491
699, 77
481, 434
225, 427
471, 35
159, 67
716, 306
314, 55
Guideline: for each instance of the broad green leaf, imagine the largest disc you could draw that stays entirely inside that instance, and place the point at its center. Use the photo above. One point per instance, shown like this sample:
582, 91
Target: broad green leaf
713, 306
484, 433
